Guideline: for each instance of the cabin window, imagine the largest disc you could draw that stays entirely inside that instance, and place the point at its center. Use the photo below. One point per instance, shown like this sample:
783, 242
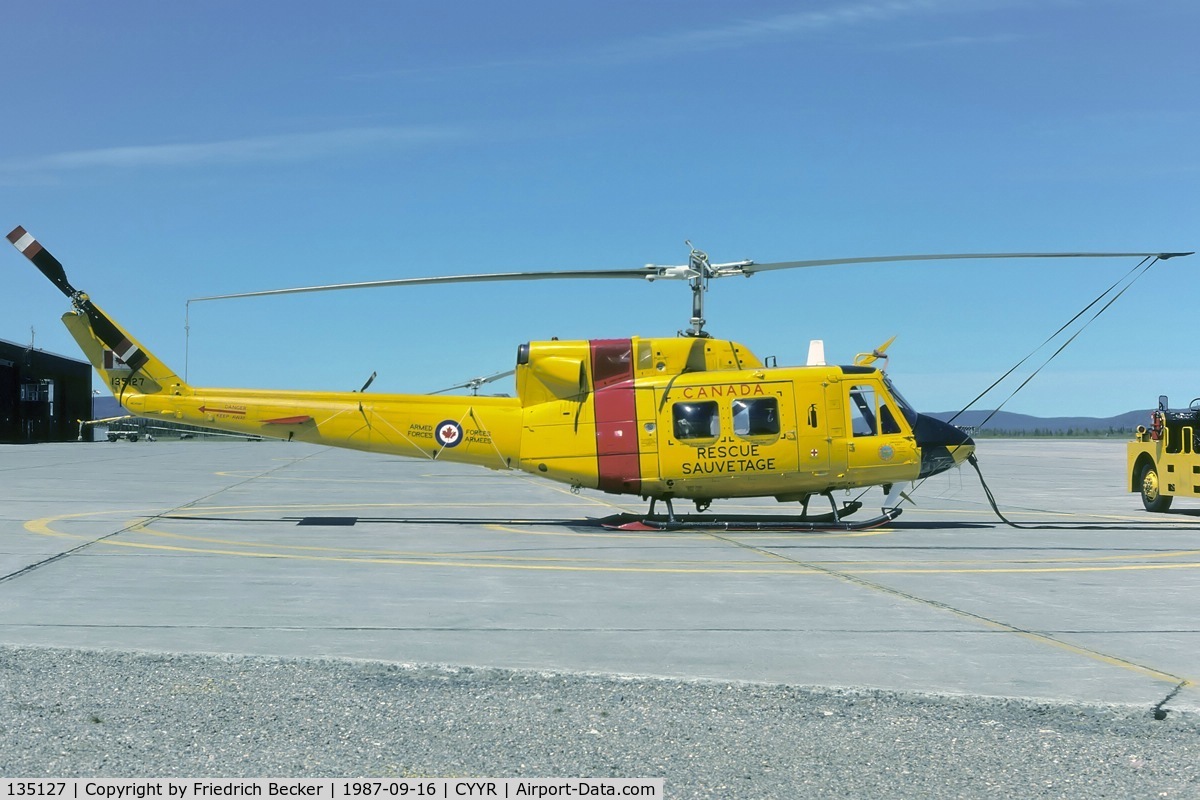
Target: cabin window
696, 420
757, 417
645, 356
612, 362
869, 415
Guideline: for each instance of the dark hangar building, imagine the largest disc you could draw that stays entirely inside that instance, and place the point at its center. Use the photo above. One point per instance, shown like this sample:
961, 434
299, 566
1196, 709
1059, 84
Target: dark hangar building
42, 395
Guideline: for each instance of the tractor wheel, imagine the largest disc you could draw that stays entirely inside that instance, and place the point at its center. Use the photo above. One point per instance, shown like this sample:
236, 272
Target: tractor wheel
1152, 497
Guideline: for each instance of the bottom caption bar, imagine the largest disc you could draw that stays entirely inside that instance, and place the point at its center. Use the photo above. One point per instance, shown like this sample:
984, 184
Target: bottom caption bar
329, 788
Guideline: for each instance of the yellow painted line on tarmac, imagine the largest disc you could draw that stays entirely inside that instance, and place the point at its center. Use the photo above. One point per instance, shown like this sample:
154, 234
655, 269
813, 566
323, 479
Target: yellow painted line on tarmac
139, 524
451, 563
411, 554
42, 526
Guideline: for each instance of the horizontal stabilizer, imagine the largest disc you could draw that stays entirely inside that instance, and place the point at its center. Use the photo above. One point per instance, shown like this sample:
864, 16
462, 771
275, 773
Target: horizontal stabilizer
297, 420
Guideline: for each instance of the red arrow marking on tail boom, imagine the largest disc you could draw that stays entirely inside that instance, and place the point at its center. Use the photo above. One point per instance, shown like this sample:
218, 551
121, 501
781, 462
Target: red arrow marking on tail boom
237, 412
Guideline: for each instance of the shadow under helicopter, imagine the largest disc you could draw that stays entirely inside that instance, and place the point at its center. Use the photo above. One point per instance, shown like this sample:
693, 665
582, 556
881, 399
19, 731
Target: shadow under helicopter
696, 524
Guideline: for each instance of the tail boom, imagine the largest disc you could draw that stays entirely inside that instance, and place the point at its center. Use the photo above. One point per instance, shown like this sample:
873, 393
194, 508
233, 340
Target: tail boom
476, 430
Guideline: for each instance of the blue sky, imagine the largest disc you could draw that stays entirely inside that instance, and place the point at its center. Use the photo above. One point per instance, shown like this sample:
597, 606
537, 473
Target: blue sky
165, 151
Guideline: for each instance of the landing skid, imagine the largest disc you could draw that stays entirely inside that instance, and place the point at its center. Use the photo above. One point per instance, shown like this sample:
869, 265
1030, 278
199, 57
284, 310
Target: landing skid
633, 522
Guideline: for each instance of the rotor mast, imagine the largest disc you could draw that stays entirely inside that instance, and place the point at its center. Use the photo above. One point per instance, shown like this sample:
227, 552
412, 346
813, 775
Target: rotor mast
701, 271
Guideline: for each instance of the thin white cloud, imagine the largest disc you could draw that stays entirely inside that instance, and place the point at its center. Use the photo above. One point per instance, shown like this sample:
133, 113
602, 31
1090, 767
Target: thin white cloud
743, 33
253, 150
751, 32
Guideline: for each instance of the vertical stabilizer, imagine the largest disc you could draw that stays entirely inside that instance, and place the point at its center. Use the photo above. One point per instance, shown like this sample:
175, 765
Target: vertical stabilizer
115, 362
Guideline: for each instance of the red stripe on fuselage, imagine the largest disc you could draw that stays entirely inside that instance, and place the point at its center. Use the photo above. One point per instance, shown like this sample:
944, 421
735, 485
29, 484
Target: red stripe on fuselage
617, 460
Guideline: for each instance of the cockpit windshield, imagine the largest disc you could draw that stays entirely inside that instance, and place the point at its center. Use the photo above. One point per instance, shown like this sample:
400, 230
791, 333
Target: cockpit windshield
909, 413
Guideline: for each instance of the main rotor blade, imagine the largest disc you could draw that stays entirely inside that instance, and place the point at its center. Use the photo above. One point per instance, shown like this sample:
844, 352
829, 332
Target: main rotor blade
752, 268
657, 272
641, 273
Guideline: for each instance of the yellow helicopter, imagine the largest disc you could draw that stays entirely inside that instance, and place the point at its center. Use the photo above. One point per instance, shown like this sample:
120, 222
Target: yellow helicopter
687, 417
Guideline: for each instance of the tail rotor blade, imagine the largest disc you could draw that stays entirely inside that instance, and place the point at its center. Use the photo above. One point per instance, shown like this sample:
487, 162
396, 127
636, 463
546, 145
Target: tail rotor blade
50, 266
41, 258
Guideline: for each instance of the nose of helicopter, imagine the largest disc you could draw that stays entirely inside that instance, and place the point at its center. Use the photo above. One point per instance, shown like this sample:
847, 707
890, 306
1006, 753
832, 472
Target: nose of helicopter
942, 445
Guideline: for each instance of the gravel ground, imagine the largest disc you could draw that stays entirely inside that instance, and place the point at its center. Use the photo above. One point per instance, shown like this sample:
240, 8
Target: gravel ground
75, 713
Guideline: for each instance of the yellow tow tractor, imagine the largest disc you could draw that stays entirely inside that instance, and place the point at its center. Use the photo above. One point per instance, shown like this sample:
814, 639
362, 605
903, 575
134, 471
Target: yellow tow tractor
1164, 459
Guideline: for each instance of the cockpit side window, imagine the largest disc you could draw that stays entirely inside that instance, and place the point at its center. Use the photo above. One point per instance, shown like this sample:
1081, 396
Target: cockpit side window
696, 420
870, 416
886, 420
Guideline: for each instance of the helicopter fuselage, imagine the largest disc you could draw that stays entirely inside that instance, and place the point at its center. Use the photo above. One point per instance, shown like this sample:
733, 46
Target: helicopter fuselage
685, 417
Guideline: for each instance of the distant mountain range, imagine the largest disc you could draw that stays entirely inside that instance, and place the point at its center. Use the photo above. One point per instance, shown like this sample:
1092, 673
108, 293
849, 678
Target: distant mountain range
1006, 422
105, 407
